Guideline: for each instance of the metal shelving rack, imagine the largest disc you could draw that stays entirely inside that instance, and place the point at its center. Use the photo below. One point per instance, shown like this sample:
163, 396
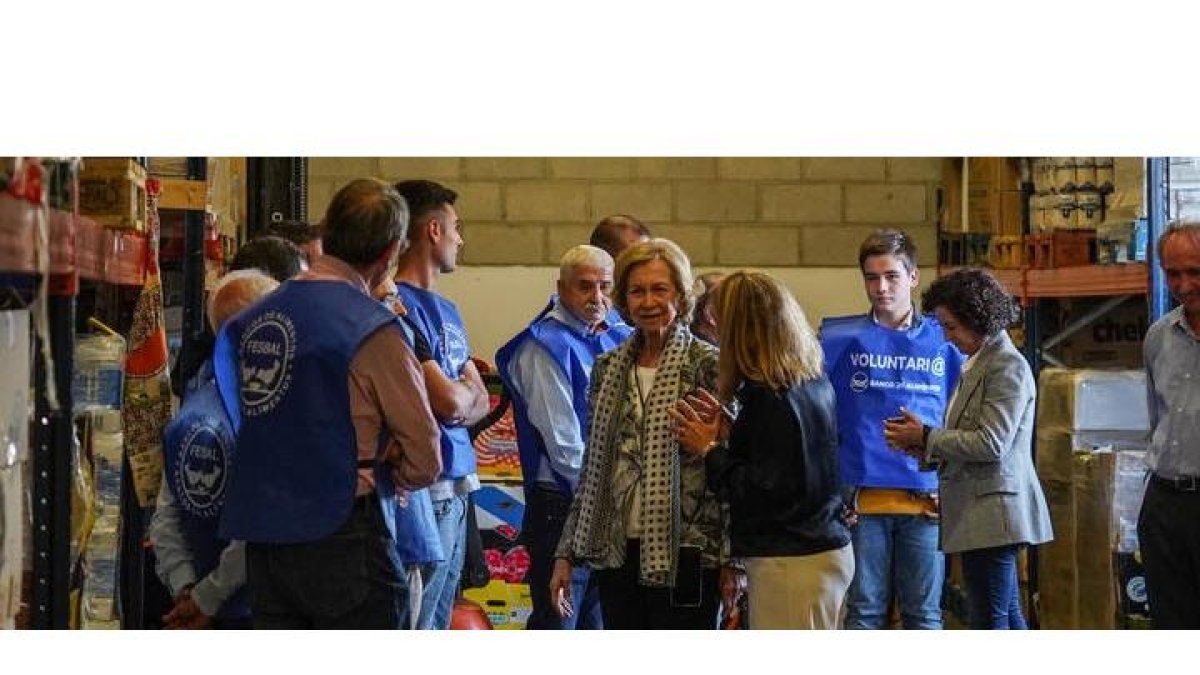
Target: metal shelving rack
52, 438
1158, 188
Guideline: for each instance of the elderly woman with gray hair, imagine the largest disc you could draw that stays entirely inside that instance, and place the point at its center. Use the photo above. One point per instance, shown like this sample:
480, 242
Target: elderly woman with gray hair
643, 517
992, 503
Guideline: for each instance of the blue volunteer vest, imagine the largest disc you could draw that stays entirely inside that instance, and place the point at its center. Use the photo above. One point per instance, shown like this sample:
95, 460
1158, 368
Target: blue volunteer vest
198, 448
574, 352
875, 371
417, 540
440, 324
415, 527
286, 361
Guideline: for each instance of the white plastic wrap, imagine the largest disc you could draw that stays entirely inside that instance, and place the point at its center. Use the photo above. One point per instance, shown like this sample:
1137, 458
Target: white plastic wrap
102, 547
14, 455
1092, 400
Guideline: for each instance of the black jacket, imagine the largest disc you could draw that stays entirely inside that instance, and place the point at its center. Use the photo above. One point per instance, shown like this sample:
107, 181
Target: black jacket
779, 472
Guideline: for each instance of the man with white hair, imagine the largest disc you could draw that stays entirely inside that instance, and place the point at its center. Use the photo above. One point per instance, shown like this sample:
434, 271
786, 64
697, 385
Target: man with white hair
546, 369
205, 574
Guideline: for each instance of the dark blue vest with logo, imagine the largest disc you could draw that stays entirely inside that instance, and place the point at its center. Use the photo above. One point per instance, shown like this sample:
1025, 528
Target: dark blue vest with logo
875, 371
442, 327
287, 360
574, 352
198, 448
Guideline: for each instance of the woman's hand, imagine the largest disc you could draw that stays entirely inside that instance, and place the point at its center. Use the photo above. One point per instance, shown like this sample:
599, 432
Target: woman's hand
905, 433
698, 421
560, 588
704, 403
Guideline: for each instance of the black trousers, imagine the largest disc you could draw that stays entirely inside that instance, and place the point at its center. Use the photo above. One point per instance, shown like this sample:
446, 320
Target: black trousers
1169, 537
347, 580
627, 605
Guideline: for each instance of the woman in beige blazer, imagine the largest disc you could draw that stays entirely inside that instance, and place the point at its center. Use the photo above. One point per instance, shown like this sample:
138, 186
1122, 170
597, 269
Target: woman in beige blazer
992, 503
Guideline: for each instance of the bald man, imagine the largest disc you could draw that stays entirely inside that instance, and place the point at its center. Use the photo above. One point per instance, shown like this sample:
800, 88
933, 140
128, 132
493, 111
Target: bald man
205, 574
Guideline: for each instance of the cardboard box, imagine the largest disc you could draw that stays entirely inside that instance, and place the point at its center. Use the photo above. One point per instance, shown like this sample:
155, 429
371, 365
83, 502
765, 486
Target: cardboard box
1094, 518
1056, 448
1006, 251
183, 194
1002, 173
168, 166
1058, 578
1112, 341
1093, 540
1053, 451
994, 195
113, 191
1060, 248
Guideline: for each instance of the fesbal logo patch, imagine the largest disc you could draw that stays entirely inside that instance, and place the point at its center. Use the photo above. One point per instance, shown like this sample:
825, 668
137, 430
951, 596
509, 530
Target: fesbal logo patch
267, 353
201, 470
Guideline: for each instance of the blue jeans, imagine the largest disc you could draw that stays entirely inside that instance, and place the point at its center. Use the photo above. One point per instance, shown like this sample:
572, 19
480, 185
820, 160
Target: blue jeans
441, 579
993, 593
546, 510
896, 554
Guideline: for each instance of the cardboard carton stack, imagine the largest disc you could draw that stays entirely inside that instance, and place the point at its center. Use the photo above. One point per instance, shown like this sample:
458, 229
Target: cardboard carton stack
1092, 428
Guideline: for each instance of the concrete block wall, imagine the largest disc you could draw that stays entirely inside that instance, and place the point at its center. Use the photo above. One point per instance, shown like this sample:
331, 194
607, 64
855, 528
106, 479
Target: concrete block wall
743, 211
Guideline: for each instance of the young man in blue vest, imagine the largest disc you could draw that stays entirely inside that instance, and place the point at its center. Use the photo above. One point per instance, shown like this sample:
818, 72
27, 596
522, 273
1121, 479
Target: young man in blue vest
433, 243
546, 368
331, 418
205, 574
879, 362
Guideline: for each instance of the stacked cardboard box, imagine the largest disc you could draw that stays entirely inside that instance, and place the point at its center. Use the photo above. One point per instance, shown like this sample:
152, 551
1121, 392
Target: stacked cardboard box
994, 195
1091, 435
113, 191
1111, 341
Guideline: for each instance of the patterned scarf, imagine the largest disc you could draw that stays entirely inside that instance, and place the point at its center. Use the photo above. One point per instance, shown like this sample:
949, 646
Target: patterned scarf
660, 476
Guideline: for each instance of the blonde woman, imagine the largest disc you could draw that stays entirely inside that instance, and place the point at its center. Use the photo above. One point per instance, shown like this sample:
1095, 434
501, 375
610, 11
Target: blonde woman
642, 518
777, 465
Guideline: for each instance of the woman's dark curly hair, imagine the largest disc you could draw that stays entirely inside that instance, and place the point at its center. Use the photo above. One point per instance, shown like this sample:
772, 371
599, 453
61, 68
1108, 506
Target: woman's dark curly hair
975, 298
